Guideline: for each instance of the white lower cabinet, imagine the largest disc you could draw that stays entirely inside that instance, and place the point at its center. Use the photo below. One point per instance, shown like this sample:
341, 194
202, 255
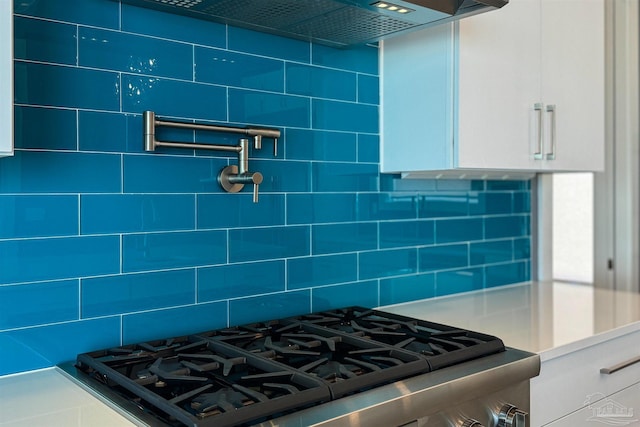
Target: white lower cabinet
574, 385
619, 409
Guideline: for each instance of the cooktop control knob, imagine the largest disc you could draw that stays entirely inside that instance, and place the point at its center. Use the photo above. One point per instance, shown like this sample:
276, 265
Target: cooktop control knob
510, 416
472, 423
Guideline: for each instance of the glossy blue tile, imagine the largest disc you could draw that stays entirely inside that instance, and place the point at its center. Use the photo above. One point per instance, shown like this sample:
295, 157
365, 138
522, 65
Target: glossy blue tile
336, 238
458, 230
309, 272
236, 69
44, 41
508, 185
443, 257
52, 343
491, 252
157, 251
408, 288
18, 357
240, 280
522, 248
283, 176
38, 216
302, 144
172, 26
243, 40
56, 129
320, 82
506, 226
390, 262
522, 202
395, 183
126, 293
38, 303
505, 274
116, 51
326, 181
255, 244
435, 205
173, 322
60, 172
454, 282
123, 213
266, 307
490, 203
383, 206
319, 208
459, 185
368, 148
60, 86
58, 258
363, 59
271, 109
171, 174
97, 13
368, 89
344, 116
173, 98
395, 234
331, 297
238, 210
109, 132
343, 177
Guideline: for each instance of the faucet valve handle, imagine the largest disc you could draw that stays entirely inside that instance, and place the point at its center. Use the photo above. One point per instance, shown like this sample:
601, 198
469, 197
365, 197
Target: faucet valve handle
232, 181
257, 142
257, 178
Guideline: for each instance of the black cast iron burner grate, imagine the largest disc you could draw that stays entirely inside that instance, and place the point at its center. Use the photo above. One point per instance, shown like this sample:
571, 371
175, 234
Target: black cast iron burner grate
440, 345
346, 363
257, 372
195, 382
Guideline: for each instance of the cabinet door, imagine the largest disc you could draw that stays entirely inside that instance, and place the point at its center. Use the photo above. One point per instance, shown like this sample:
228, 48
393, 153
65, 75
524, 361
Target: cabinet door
417, 103
573, 49
565, 383
619, 409
499, 83
6, 77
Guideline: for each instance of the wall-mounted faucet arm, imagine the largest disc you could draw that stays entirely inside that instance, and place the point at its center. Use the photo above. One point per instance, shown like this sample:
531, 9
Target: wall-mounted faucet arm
232, 178
151, 122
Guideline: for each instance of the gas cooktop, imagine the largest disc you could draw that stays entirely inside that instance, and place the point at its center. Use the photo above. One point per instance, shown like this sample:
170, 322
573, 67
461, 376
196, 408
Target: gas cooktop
254, 373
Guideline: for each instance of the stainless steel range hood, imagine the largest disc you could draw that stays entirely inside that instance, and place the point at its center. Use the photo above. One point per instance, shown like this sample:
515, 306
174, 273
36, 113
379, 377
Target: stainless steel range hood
337, 23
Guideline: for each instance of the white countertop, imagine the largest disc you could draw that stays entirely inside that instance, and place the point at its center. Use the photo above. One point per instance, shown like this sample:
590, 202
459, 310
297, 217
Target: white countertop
47, 398
551, 319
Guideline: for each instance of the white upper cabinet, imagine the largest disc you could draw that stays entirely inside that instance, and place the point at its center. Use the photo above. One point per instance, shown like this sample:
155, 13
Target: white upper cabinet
520, 89
6, 77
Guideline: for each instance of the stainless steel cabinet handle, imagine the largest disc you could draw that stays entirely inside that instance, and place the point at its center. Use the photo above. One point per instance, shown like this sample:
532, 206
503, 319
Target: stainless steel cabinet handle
620, 366
551, 155
537, 155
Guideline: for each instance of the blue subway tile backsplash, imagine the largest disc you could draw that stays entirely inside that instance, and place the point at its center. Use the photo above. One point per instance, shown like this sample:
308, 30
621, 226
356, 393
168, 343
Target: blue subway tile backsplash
104, 242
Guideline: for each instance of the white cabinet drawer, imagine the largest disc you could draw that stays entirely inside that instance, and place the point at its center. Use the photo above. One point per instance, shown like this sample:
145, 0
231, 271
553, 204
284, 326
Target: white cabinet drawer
566, 383
619, 409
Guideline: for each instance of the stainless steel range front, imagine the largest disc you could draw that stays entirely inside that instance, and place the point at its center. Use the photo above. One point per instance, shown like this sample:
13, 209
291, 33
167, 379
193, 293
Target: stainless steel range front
352, 366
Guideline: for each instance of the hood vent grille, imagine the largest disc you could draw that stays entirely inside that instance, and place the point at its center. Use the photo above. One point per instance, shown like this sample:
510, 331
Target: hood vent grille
336, 23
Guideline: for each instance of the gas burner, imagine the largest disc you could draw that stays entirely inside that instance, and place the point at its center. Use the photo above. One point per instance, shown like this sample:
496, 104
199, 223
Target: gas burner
210, 362
161, 373
223, 400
